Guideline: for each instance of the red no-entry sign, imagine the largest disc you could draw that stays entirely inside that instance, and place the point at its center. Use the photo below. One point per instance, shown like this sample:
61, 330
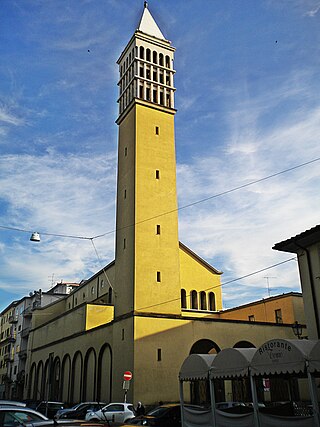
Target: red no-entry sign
127, 376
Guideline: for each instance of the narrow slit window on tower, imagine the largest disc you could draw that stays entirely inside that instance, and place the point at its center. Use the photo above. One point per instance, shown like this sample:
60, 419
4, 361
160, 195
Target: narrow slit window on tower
124, 243
122, 337
158, 276
159, 355
125, 194
158, 228
125, 151
157, 174
157, 130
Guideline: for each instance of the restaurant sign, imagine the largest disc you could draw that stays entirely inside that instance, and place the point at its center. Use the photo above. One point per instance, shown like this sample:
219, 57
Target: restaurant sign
275, 351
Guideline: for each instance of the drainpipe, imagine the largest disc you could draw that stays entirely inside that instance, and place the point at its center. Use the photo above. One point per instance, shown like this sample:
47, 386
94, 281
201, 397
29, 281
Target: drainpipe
312, 286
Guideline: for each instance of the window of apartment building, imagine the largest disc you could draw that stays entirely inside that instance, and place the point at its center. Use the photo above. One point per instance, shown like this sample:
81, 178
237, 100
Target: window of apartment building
278, 315
157, 130
158, 276
251, 318
158, 229
159, 355
157, 174
110, 295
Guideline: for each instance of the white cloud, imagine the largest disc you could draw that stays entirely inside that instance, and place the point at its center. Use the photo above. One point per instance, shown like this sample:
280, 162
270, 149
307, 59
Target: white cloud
236, 232
61, 195
313, 12
9, 118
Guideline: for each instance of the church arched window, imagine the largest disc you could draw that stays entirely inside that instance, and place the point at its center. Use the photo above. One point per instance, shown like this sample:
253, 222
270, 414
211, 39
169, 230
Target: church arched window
167, 61
203, 300
148, 55
183, 298
161, 58
212, 301
194, 300
141, 52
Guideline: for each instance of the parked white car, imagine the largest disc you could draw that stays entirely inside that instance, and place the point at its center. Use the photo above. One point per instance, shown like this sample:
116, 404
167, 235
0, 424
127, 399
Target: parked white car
115, 412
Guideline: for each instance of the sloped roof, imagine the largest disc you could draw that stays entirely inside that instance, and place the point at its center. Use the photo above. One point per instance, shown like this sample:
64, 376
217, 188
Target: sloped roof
305, 239
148, 25
199, 259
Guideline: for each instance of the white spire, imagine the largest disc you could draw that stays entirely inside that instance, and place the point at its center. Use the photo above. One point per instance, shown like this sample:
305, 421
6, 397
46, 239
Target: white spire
148, 24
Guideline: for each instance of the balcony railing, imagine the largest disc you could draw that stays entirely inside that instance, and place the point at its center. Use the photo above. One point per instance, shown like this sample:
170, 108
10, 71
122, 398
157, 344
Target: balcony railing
25, 332
22, 354
12, 338
13, 319
8, 357
27, 312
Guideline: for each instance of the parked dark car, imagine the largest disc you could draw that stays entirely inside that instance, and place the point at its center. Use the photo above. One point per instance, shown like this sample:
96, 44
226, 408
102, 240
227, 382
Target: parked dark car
79, 411
11, 403
163, 416
49, 409
64, 423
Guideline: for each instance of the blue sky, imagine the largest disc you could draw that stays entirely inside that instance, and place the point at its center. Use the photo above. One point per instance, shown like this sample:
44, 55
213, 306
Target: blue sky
248, 84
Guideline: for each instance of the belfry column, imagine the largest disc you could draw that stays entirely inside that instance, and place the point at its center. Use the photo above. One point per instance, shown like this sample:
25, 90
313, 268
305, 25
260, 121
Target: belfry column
147, 247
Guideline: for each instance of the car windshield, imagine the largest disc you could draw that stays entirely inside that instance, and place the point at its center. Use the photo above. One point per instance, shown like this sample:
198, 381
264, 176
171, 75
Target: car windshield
158, 412
11, 418
78, 406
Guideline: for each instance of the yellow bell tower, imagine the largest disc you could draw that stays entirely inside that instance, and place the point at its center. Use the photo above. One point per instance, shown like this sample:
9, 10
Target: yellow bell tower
147, 246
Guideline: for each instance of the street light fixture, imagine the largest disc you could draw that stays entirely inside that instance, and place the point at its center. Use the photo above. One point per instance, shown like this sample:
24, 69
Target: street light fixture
35, 237
297, 329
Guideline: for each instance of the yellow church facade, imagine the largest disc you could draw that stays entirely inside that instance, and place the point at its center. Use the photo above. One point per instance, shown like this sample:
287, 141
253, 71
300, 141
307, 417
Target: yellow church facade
158, 301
